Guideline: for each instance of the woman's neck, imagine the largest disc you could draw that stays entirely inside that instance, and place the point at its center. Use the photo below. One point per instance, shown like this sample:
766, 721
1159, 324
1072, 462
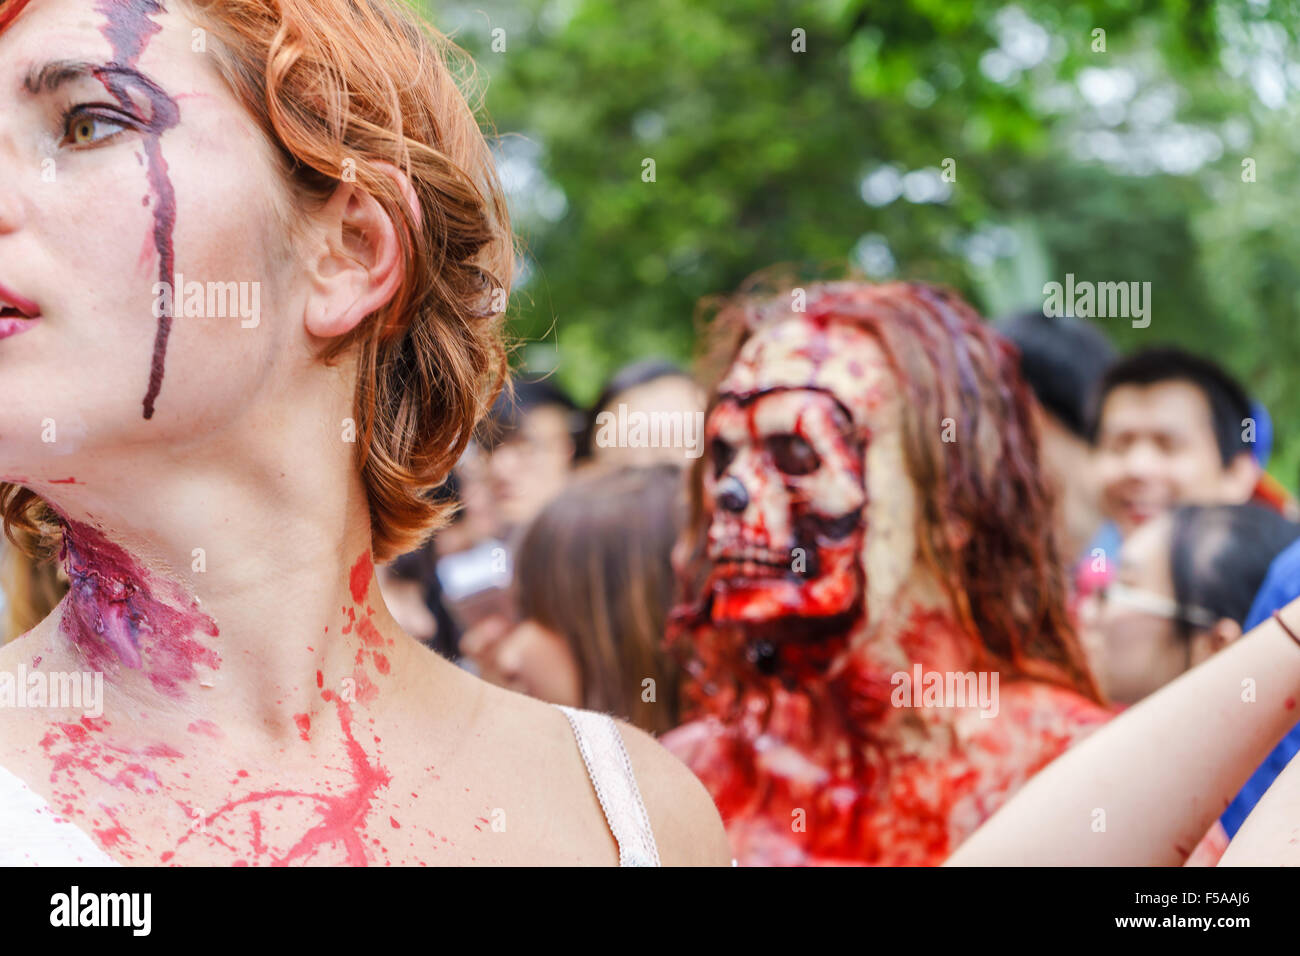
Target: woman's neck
238, 619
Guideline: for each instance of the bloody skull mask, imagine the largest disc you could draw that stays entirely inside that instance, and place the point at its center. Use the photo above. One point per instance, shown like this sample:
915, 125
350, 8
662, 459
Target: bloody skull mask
787, 480
869, 458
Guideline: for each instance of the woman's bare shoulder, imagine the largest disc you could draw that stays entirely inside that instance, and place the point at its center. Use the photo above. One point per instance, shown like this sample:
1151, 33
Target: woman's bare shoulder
685, 821
509, 728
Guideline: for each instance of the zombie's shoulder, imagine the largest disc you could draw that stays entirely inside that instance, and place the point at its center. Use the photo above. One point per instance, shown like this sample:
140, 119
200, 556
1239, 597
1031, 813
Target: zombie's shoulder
1036, 723
1050, 712
695, 743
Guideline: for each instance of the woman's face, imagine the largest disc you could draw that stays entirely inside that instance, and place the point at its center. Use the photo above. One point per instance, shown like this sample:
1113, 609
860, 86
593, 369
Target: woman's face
532, 466
668, 395
538, 662
125, 160
1141, 651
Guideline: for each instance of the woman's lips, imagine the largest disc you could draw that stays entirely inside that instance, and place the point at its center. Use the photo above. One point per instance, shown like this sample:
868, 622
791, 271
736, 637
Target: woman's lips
1140, 514
10, 300
12, 325
17, 314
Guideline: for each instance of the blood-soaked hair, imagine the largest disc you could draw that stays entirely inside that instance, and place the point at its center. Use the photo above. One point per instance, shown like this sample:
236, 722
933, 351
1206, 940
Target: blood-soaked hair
337, 86
985, 521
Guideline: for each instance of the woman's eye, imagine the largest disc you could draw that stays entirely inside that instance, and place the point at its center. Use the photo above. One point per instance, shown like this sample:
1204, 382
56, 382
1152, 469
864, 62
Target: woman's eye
721, 453
793, 455
87, 129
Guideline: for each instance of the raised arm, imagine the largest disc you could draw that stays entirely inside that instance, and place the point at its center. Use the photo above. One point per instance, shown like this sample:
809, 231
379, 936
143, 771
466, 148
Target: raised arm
1143, 789
1271, 834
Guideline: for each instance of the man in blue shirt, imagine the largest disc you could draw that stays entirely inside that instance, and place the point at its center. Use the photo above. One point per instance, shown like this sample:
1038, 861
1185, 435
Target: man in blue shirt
1280, 586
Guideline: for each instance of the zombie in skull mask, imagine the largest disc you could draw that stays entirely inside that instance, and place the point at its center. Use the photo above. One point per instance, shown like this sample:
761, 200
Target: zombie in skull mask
872, 618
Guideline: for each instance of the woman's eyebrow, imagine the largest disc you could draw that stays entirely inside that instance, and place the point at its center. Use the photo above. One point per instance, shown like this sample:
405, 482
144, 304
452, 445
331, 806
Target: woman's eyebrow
50, 76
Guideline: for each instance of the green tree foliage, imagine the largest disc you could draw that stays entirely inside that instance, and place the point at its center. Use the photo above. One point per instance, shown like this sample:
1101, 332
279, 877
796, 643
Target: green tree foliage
819, 132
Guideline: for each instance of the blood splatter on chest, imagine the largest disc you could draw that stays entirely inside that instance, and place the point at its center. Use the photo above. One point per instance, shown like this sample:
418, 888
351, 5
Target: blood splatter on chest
155, 803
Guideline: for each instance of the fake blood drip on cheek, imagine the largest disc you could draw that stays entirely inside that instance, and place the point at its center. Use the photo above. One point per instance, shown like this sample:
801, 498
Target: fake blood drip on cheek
129, 30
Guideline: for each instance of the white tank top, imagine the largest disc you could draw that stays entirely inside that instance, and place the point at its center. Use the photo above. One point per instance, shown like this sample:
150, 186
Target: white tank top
32, 834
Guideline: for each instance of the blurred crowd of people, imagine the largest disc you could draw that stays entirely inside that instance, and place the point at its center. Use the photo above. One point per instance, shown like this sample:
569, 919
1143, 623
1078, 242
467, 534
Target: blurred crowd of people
1171, 522
556, 574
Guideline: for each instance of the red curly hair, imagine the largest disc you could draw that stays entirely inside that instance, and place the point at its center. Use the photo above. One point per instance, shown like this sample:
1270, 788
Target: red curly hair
338, 86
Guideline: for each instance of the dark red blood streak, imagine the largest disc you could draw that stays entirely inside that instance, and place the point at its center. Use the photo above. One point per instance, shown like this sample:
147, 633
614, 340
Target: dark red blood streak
128, 31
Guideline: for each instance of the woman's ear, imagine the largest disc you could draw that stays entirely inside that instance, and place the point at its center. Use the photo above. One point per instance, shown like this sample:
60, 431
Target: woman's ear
1241, 476
356, 262
1211, 640
1223, 633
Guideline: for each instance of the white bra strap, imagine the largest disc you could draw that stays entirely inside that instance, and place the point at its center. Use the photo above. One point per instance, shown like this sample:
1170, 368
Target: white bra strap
611, 775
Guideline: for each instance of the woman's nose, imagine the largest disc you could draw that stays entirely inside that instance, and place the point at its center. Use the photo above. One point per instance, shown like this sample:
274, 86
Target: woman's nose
16, 176
732, 495
11, 208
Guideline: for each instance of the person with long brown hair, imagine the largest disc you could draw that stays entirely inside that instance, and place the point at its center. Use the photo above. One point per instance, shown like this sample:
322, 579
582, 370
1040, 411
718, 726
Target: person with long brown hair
873, 611
595, 584
30, 585
248, 321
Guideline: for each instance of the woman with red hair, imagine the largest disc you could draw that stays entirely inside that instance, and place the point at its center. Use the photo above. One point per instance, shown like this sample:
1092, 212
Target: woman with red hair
253, 260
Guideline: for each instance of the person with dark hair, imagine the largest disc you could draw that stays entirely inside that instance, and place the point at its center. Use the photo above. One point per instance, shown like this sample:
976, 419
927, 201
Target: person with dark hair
1281, 586
1182, 591
529, 439
1149, 784
646, 388
413, 593
522, 460
1062, 359
595, 583
1171, 428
